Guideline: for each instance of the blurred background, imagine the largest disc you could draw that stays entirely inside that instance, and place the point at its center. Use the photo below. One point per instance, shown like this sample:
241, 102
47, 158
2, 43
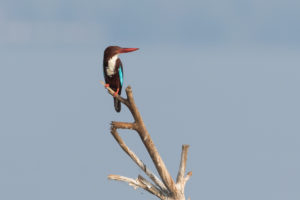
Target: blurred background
222, 76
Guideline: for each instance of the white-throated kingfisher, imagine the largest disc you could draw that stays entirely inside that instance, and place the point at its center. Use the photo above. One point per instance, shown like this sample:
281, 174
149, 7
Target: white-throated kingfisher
113, 71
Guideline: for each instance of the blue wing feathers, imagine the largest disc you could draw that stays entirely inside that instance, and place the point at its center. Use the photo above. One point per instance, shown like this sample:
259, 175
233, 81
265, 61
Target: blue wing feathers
121, 75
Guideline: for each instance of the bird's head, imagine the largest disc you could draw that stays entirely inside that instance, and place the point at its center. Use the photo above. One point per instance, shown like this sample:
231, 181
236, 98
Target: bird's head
112, 51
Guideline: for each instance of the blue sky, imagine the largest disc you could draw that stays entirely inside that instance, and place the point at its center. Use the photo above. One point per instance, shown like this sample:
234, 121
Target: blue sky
192, 22
222, 76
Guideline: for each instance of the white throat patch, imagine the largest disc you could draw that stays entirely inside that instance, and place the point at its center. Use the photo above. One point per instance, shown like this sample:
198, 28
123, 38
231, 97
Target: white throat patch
110, 69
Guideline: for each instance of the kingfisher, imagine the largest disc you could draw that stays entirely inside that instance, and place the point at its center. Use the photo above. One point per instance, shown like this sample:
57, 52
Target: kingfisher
113, 71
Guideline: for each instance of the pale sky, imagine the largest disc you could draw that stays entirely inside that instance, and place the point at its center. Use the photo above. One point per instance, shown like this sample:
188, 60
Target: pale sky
222, 76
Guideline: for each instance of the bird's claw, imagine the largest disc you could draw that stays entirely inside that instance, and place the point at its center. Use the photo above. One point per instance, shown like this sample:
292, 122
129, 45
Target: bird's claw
116, 93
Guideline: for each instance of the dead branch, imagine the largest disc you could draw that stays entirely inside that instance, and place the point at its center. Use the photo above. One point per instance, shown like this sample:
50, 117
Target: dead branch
180, 175
140, 182
111, 92
153, 189
134, 157
130, 181
188, 176
166, 188
124, 125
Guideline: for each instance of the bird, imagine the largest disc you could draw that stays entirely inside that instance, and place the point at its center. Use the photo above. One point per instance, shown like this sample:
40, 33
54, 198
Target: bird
113, 71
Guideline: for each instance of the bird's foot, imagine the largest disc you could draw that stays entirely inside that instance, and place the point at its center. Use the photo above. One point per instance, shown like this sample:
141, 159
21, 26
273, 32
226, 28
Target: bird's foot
106, 85
115, 94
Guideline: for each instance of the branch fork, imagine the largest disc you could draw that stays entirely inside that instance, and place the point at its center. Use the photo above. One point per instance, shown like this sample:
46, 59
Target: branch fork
164, 187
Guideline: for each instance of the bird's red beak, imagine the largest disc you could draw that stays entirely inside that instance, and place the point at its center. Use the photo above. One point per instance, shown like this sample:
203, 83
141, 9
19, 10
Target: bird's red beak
126, 50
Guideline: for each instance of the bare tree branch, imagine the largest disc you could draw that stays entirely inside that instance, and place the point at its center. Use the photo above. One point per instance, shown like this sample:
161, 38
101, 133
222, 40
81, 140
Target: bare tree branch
146, 139
124, 125
140, 182
132, 182
111, 92
188, 176
165, 188
182, 166
134, 157
154, 190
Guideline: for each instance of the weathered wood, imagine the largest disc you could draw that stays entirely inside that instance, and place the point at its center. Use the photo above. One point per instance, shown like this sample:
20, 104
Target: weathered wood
166, 188
124, 125
153, 189
181, 171
146, 139
135, 158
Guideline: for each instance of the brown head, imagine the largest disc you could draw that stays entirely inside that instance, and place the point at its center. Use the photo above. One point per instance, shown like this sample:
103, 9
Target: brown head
111, 51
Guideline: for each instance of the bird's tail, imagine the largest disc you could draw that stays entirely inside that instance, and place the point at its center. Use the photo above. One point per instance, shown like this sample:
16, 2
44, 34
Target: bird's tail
117, 104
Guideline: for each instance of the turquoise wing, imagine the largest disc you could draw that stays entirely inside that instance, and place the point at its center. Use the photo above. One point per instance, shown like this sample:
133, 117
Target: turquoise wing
121, 75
